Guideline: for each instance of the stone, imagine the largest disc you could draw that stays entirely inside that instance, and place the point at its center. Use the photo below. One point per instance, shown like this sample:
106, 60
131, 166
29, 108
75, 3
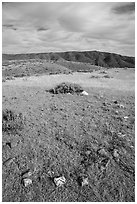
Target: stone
126, 117
59, 181
50, 174
85, 182
121, 135
116, 154
84, 93
26, 174
121, 106
27, 182
103, 152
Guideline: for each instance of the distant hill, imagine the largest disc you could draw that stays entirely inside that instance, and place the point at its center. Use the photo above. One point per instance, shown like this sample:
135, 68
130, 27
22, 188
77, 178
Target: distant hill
103, 59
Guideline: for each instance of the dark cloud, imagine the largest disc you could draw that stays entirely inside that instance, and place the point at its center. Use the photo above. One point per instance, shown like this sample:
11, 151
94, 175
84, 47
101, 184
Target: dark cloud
42, 29
9, 26
125, 8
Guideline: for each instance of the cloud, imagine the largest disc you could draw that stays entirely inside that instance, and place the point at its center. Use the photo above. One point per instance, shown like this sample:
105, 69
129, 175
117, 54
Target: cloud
43, 27
125, 8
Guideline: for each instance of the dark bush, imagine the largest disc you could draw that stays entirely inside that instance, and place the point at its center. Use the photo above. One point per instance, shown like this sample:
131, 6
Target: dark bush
12, 121
103, 72
94, 77
21, 75
10, 78
66, 88
107, 76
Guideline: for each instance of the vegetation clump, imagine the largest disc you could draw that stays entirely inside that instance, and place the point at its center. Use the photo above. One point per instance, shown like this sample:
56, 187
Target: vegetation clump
12, 121
107, 76
64, 88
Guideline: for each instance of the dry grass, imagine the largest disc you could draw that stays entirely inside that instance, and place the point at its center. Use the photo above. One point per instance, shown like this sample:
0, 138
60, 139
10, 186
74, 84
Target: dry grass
72, 136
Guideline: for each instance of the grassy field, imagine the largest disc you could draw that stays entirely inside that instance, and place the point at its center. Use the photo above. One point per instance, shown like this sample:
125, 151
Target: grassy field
71, 135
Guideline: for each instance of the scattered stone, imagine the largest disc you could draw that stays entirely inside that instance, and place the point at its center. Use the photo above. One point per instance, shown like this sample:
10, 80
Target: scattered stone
126, 117
121, 135
84, 93
116, 154
103, 152
50, 174
82, 180
116, 112
85, 182
27, 174
59, 181
27, 181
121, 106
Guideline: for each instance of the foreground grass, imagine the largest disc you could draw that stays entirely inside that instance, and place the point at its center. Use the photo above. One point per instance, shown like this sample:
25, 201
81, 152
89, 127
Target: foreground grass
70, 135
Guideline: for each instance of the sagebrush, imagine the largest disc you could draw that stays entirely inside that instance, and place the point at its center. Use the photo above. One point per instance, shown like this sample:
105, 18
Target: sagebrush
64, 88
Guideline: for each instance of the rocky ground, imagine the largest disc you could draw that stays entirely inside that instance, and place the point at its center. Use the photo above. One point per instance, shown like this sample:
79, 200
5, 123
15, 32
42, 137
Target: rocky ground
88, 140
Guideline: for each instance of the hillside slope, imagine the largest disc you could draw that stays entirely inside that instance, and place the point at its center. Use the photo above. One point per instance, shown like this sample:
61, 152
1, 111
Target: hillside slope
103, 59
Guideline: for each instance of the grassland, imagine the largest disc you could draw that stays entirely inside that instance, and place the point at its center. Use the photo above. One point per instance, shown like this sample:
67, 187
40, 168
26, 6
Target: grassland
71, 135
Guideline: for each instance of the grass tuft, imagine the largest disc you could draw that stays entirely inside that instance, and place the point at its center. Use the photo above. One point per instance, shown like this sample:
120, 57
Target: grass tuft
12, 121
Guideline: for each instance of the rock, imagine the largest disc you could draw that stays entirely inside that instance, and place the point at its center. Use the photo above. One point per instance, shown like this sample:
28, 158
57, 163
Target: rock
82, 180
126, 117
50, 174
27, 181
85, 182
59, 181
116, 154
103, 152
26, 174
121, 106
121, 135
84, 93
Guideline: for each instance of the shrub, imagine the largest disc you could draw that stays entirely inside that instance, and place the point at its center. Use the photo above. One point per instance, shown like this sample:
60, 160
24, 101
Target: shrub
94, 77
10, 78
21, 75
107, 76
66, 88
103, 72
12, 121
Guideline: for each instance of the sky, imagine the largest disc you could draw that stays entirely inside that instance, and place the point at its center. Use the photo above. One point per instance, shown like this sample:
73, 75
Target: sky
32, 27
